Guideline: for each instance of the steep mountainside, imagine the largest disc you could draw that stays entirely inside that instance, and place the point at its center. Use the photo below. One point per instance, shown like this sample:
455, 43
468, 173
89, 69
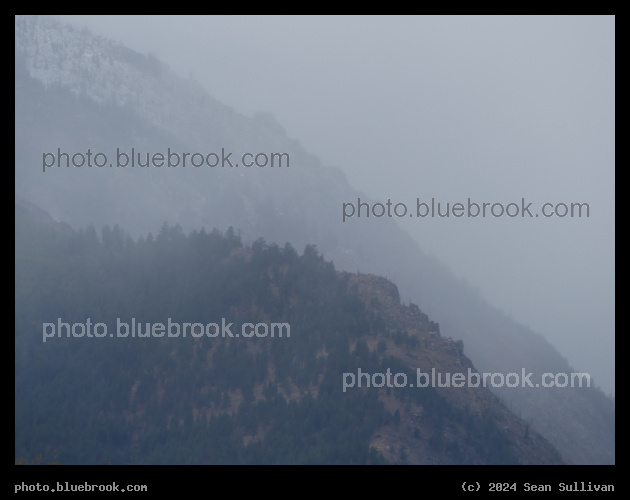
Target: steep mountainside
138, 395
75, 91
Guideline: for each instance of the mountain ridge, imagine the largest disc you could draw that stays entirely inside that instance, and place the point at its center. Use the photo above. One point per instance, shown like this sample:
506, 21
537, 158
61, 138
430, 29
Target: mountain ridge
302, 205
167, 399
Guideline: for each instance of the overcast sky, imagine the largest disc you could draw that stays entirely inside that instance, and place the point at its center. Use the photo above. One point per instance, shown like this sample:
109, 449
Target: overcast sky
495, 109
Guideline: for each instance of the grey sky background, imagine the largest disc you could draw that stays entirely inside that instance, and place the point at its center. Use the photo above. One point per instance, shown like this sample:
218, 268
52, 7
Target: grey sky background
489, 108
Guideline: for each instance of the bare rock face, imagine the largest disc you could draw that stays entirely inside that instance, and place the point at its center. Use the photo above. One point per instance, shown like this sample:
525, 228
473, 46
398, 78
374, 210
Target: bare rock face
417, 342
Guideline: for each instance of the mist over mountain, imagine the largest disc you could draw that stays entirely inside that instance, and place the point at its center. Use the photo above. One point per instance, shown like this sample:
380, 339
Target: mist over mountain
285, 391
76, 92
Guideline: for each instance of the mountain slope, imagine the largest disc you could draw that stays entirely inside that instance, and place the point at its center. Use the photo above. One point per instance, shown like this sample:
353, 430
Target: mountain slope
144, 396
75, 91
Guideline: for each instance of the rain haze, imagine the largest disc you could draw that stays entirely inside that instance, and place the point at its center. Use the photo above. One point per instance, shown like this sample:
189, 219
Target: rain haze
495, 109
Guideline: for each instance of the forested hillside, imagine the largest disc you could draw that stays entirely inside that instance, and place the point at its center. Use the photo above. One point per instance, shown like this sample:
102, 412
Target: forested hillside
220, 394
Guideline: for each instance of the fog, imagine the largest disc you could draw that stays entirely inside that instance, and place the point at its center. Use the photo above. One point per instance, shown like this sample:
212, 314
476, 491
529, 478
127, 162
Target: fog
495, 109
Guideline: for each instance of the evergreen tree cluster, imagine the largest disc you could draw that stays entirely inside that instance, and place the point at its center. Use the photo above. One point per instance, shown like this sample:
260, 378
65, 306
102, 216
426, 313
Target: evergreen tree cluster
201, 399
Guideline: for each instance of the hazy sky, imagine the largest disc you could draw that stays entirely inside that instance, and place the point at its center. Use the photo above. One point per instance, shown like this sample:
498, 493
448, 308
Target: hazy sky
495, 109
